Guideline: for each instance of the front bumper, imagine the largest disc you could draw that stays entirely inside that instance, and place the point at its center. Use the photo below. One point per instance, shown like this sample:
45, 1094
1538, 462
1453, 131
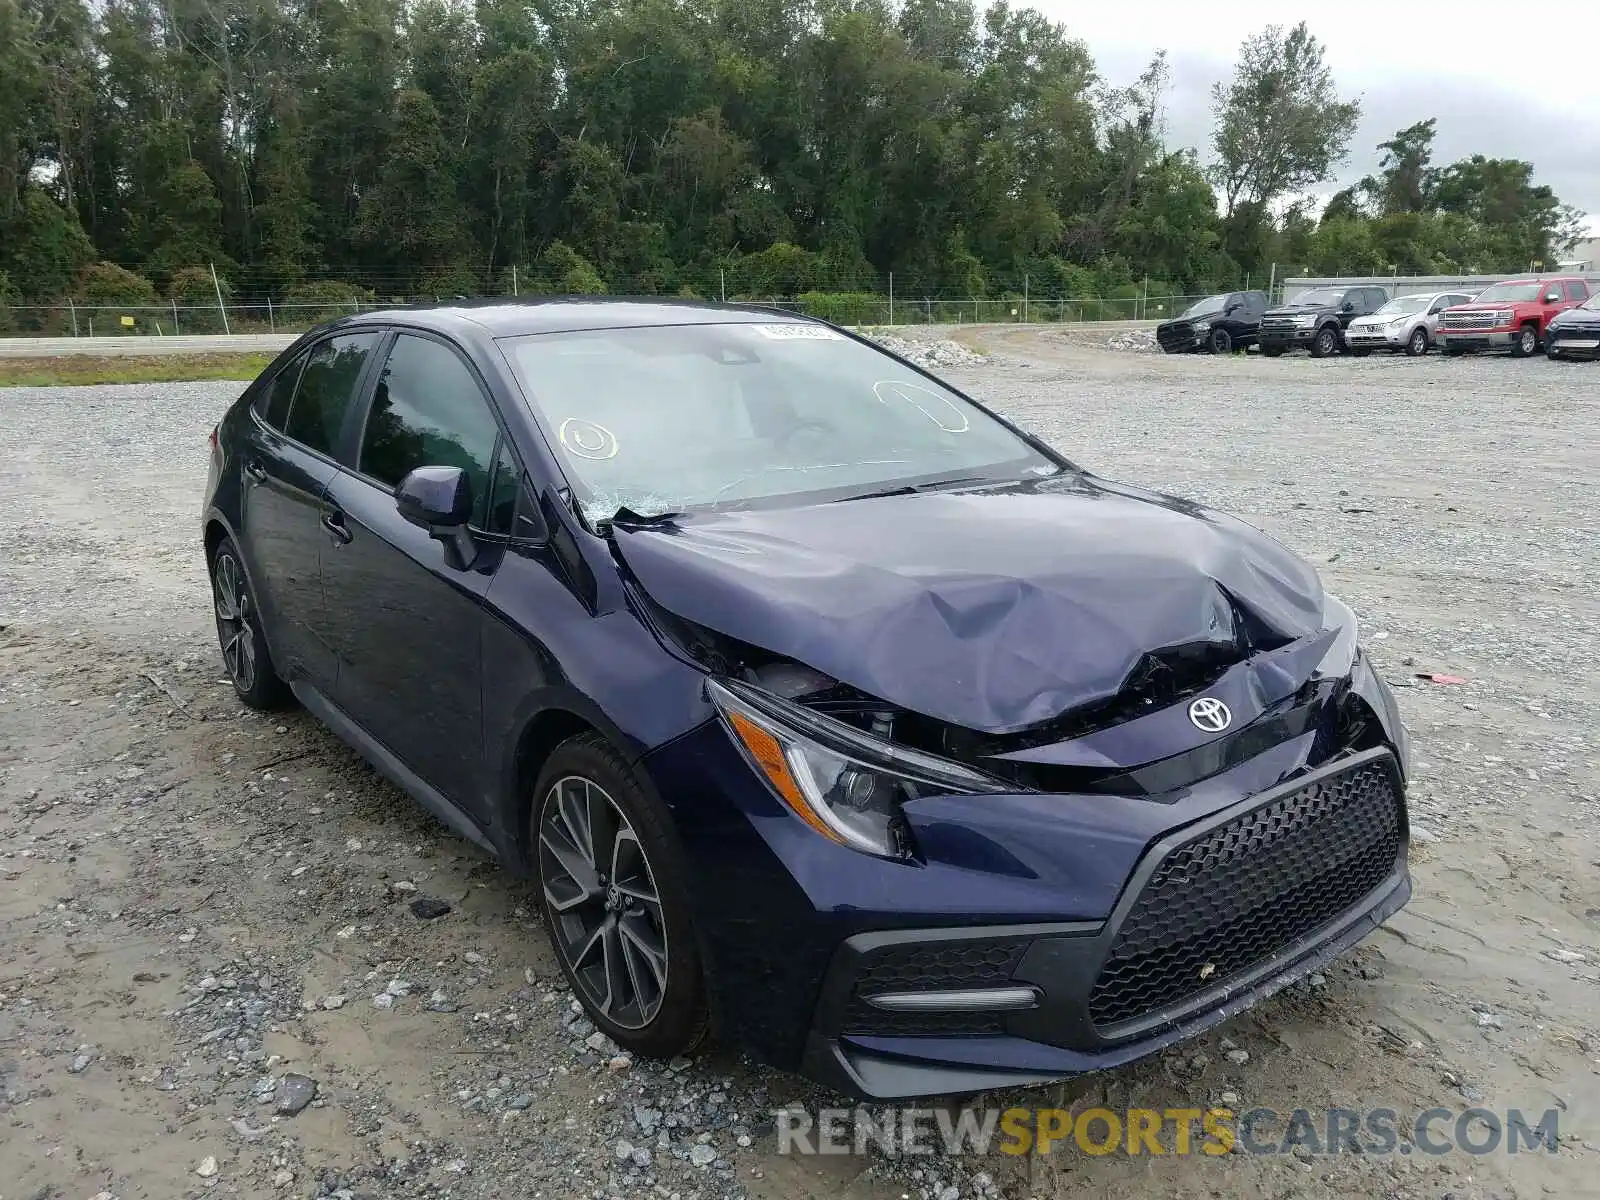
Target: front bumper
1573, 343
1216, 915
1297, 336
1478, 339
1377, 339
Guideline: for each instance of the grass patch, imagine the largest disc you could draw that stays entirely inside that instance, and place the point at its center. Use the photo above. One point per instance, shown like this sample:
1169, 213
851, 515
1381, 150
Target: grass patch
72, 369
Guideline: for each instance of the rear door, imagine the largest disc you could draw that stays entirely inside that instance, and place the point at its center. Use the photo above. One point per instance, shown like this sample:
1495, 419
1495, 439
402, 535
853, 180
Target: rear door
405, 622
287, 460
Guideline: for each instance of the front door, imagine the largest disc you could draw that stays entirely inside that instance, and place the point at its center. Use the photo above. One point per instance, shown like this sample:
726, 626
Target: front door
406, 622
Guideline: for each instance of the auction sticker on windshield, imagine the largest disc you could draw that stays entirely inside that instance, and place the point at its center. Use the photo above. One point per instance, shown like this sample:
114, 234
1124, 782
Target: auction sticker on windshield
796, 332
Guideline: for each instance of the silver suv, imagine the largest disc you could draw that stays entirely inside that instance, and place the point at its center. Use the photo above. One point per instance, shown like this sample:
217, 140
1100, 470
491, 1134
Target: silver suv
1405, 323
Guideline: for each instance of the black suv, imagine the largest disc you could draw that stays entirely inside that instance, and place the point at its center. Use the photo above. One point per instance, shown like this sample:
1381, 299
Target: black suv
1217, 324
1317, 319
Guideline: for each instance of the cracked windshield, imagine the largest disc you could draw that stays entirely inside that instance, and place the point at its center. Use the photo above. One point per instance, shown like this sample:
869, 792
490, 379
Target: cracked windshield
659, 420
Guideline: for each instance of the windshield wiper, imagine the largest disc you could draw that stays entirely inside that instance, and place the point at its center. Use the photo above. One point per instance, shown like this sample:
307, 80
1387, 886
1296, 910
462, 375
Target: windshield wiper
911, 489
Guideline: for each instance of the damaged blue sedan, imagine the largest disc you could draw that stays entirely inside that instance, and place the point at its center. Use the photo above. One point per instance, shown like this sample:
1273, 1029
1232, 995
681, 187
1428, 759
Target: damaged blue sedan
833, 715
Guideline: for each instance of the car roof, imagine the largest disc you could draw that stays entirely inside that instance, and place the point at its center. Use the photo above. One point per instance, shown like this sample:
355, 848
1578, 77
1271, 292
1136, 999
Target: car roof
503, 317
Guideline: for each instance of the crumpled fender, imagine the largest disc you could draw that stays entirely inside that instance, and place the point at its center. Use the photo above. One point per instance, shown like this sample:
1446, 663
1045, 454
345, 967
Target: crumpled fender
994, 609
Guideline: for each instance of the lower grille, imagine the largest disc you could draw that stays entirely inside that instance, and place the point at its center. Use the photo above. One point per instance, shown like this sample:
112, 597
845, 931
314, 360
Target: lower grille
1241, 892
926, 967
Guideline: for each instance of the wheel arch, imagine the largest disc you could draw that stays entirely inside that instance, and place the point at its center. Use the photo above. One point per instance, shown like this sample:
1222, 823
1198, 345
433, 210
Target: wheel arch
550, 717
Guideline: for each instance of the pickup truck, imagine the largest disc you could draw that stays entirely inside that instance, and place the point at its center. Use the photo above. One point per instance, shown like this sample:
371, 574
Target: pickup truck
1509, 316
1218, 324
1316, 319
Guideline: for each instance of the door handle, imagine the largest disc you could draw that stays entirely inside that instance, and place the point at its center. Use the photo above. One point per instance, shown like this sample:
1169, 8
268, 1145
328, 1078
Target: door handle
255, 470
333, 525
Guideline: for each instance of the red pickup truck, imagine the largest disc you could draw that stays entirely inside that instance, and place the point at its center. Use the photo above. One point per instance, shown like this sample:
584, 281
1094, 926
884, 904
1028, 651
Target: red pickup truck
1509, 316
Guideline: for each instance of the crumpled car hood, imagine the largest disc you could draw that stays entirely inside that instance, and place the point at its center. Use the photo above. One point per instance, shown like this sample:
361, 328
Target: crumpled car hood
995, 609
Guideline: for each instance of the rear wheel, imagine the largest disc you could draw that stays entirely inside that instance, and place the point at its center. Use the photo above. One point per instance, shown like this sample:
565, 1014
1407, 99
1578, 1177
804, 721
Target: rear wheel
1526, 342
244, 648
616, 902
1417, 343
1326, 343
1220, 342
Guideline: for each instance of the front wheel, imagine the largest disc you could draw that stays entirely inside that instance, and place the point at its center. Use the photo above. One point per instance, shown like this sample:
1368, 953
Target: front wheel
616, 900
244, 647
1527, 341
1220, 342
1417, 343
1325, 344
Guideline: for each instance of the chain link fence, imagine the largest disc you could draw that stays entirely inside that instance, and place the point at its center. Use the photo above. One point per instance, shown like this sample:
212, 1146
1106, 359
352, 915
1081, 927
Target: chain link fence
887, 305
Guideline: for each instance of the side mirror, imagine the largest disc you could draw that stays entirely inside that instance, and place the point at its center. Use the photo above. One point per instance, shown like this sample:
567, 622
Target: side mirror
1348, 306
439, 499
1552, 297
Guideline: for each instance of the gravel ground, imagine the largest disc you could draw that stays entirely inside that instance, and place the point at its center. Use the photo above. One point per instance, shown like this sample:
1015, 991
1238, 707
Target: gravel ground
213, 979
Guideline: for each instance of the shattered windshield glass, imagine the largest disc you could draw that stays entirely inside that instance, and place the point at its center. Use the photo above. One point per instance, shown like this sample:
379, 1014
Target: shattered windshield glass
667, 418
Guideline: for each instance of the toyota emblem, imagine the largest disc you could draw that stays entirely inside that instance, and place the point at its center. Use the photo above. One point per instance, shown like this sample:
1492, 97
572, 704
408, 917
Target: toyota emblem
1210, 714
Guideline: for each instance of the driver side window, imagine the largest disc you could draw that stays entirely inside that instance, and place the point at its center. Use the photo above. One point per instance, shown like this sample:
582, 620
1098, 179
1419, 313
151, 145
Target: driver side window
428, 411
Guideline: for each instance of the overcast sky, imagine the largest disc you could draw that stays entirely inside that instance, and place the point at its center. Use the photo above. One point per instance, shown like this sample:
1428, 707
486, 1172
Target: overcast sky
1501, 86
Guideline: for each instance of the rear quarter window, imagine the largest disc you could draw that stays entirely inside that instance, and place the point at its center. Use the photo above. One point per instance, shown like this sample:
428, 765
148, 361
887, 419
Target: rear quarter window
272, 405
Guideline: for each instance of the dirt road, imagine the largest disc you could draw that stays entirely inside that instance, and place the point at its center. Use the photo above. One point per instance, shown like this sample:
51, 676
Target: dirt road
213, 982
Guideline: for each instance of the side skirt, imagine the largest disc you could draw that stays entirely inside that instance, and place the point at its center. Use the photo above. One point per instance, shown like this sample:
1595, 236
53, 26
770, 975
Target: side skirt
390, 767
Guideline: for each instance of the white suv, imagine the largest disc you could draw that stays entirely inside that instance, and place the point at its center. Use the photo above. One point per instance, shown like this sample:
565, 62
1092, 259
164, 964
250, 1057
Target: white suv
1405, 323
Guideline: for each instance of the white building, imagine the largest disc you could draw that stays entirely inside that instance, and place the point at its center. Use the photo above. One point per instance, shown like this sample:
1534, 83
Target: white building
1582, 256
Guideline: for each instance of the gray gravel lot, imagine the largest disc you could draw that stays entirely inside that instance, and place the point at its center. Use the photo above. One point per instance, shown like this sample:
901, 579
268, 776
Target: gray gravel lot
202, 909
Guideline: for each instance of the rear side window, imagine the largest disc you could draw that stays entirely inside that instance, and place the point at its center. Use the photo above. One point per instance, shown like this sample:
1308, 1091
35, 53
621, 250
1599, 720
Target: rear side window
1577, 290
428, 411
273, 406
1376, 298
327, 386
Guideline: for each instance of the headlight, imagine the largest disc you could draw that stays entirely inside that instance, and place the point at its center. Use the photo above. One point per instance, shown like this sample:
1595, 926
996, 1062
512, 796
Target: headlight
1341, 654
1306, 319
847, 785
1398, 321
1201, 328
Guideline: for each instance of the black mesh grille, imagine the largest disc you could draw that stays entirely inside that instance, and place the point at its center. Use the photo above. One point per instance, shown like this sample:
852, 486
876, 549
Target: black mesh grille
931, 966
1175, 335
1241, 892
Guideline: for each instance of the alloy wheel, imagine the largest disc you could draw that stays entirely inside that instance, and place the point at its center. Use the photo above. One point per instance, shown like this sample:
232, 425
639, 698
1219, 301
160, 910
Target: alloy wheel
604, 906
1418, 344
235, 621
1529, 338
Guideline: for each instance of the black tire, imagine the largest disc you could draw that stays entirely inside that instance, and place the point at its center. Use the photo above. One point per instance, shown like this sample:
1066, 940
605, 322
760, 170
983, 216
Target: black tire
667, 1013
244, 648
1220, 342
1326, 343
1551, 352
1272, 351
1527, 342
1417, 343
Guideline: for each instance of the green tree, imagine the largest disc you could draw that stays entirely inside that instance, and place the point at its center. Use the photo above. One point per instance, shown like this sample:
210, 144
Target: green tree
412, 221
1281, 126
